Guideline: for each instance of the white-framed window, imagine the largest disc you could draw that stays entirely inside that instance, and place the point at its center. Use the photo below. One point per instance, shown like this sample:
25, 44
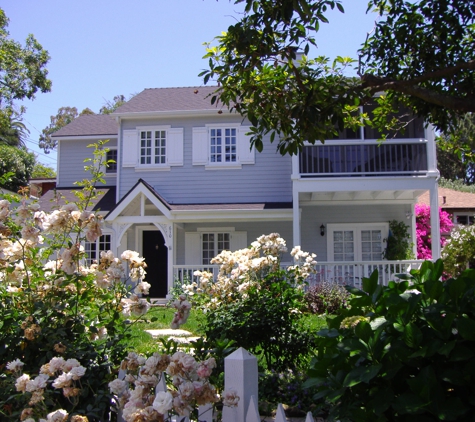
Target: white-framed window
207, 242
222, 146
212, 244
152, 147
465, 218
93, 249
356, 242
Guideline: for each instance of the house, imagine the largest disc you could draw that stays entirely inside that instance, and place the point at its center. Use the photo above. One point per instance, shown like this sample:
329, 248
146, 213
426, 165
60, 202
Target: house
40, 185
187, 185
460, 205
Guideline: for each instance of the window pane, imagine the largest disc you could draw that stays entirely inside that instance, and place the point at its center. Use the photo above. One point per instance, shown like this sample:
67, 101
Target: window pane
111, 155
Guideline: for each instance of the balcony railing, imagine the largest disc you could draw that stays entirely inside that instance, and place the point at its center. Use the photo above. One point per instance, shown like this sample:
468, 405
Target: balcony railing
364, 158
342, 273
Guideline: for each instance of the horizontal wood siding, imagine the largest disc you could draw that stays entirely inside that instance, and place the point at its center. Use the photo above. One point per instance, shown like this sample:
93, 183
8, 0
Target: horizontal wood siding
314, 216
268, 180
72, 154
253, 229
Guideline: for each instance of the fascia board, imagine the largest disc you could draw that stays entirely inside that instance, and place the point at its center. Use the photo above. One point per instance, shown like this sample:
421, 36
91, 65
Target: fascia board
86, 138
172, 113
235, 215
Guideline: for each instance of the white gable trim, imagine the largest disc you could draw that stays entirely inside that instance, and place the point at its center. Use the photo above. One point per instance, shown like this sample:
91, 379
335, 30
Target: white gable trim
140, 189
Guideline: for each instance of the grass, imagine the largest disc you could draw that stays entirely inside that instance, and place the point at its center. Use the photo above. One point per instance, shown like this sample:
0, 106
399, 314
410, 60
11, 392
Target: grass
160, 317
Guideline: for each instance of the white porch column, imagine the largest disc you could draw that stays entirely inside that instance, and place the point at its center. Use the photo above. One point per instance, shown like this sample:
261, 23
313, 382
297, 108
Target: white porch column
296, 218
435, 221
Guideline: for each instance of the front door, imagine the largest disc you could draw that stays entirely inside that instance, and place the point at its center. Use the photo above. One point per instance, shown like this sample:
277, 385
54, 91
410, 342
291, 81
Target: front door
156, 257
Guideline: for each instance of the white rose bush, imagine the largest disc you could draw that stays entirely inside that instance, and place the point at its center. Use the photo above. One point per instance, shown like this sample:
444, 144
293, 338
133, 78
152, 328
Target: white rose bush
62, 322
256, 303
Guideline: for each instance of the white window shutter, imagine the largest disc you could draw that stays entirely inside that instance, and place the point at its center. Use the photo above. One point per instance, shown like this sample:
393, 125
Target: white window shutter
130, 148
247, 155
193, 249
200, 146
175, 146
238, 241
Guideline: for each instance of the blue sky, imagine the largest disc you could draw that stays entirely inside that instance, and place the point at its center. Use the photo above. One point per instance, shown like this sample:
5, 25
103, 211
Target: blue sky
102, 48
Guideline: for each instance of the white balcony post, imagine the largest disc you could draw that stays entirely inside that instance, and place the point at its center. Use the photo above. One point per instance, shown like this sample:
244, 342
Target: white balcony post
240, 374
434, 221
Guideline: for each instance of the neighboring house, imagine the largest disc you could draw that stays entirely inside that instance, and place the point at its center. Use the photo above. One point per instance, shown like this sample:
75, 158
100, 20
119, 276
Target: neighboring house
460, 205
39, 186
187, 185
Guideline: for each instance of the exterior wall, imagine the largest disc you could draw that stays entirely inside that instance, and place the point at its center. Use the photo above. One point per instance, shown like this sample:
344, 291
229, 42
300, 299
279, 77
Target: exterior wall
253, 230
71, 156
268, 180
314, 216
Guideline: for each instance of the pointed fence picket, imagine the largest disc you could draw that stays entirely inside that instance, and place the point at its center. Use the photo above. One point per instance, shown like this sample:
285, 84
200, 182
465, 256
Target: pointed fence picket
240, 375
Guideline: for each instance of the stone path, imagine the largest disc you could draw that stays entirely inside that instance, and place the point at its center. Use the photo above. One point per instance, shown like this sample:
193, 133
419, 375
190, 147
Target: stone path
180, 336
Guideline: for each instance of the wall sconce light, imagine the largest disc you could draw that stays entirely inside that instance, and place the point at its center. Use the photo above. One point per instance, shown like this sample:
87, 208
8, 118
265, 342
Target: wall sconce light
408, 215
322, 230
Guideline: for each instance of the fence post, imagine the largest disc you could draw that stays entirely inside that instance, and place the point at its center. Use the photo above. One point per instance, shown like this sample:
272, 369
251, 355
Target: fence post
240, 374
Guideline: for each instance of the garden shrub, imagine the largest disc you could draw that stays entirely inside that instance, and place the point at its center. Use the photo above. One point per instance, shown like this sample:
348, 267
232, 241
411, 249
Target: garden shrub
326, 298
62, 326
459, 251
402, 352
398, 245
257, 304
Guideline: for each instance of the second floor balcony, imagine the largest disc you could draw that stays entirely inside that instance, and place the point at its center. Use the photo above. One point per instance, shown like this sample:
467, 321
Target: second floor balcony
368, 158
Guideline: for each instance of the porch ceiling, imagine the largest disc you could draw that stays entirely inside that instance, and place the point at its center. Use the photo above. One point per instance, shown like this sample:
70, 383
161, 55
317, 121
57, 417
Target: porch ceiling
350, 196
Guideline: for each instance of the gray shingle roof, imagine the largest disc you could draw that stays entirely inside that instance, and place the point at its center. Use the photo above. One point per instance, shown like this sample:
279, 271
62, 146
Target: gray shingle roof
55, 198
192, 98
90, 125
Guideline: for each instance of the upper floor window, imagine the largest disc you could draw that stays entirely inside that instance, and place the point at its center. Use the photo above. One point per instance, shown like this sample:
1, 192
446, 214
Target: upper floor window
220, 146
111, 167
152, 147
223, 145
93, 249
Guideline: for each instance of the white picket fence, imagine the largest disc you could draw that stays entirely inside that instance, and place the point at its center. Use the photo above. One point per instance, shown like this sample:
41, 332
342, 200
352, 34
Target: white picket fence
240, 375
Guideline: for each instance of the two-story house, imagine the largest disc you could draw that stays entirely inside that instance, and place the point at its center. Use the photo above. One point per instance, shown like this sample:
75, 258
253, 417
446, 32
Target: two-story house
187, 185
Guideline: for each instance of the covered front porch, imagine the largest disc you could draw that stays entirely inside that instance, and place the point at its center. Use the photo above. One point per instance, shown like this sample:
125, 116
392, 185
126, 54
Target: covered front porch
342, 273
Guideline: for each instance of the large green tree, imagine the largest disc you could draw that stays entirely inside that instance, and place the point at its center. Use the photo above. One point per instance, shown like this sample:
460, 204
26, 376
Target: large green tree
420, 54
18, 161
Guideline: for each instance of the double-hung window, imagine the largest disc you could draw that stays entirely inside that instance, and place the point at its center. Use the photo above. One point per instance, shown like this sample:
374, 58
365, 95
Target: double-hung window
213, 244
153, 146
93, 249
223, 145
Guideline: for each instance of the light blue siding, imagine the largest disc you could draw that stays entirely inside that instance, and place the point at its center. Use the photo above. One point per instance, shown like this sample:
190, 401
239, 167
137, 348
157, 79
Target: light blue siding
268, 180
72, 154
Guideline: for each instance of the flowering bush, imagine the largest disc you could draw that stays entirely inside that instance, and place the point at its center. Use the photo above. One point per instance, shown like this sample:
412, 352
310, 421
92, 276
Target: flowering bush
142, 394
423, 236
256, 303
326, 298
61, 320
459, 253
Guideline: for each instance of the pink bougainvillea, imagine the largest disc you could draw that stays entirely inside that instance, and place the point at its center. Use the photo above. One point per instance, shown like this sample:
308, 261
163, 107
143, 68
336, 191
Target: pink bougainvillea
424, 240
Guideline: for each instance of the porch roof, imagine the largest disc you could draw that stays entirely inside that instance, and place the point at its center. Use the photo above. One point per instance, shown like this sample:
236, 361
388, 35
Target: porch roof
55, 198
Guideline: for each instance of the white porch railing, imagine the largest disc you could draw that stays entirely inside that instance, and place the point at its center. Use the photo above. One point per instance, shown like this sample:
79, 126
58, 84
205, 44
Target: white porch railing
343, 273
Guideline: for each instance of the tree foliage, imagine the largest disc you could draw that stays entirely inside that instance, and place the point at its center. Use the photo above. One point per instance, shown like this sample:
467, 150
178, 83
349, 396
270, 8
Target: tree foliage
18, 161
420, 54
22, 68
456, 151
42, 171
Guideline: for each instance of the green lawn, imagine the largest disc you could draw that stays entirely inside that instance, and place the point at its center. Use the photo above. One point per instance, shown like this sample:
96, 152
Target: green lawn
161, 317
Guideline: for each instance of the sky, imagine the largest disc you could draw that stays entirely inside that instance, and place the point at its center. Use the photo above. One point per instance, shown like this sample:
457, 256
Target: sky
103, 48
